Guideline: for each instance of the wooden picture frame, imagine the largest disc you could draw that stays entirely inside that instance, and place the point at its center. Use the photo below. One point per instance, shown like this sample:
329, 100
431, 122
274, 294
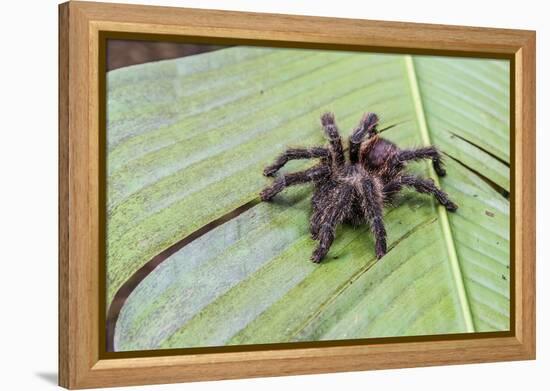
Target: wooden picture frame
84, 364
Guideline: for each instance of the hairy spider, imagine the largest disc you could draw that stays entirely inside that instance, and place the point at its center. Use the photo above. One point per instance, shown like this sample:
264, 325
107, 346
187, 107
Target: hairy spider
355, 191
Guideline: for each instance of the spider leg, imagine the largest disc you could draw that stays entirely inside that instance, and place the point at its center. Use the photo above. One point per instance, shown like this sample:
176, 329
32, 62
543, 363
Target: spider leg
296, 178
430, 152
335, 141
318, 202
295, 153
328, 219
371, 203
421, 185
315, 224
367, 126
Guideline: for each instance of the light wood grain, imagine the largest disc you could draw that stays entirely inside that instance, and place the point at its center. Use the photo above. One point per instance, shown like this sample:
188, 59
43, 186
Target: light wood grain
80, 365
525, 195
64, 354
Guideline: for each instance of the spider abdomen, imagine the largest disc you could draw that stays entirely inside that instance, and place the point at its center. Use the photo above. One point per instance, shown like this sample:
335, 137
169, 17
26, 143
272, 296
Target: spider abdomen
376, 152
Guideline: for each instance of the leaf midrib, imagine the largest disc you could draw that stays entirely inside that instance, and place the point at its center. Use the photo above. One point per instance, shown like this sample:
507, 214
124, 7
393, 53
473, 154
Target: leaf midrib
442, 212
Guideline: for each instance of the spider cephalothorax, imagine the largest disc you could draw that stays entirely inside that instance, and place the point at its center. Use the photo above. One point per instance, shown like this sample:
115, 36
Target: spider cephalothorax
355, 191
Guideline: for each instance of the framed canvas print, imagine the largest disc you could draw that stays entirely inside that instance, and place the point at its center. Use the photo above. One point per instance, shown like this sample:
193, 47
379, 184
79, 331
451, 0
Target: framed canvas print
254, 195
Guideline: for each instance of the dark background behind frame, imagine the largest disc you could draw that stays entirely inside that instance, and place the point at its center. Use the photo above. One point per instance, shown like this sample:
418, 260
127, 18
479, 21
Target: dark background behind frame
123, 53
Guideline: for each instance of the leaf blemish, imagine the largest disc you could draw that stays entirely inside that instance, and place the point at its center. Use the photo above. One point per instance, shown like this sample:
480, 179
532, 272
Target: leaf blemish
490, 214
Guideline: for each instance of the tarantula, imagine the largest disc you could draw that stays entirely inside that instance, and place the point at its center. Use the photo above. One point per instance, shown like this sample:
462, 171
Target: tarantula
355, 191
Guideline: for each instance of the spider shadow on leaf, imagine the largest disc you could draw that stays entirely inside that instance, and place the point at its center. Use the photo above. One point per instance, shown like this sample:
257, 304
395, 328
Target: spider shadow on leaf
293, 198
361, 238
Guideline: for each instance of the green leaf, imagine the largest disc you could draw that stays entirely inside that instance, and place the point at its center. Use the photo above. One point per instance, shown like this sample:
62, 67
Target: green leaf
187, 142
